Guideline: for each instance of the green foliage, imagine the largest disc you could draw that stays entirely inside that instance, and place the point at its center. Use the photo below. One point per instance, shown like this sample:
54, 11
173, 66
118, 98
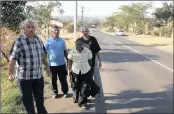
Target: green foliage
128, 16
165, 13
110, 30
69, 27
9, 95
42, 13
133, 18
155, 33
139, 31
12, 14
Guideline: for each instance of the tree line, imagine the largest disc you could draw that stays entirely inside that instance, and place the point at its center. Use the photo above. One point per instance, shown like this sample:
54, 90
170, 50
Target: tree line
14, 12
133, 18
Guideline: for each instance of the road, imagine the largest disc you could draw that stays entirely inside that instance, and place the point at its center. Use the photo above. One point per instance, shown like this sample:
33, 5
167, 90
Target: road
134, 78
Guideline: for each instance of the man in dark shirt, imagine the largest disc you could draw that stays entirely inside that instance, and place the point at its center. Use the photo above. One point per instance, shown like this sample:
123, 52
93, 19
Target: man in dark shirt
91, 43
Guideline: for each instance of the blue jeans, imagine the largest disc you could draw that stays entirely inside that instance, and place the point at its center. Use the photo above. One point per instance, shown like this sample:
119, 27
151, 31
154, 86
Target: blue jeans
28, 88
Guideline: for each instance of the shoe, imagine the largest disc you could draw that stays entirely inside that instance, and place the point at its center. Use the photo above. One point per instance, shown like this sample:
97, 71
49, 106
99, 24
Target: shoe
75, 101
55, 96
65, 96
84, 106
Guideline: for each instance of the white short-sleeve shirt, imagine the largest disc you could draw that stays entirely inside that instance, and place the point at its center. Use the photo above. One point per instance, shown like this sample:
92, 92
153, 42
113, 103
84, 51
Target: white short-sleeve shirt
80, 60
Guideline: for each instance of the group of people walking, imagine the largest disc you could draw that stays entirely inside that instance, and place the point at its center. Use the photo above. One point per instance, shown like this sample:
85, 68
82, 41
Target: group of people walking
29, 52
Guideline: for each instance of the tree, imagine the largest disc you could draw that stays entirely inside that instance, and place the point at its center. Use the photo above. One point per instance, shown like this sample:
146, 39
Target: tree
131, 15
12, 14
165, 13
42, 13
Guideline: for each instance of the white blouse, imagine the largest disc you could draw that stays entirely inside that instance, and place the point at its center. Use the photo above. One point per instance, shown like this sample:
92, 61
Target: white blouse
80, 60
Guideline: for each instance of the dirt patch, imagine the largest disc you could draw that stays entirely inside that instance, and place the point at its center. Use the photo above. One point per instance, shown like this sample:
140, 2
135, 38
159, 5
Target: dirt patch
162, 43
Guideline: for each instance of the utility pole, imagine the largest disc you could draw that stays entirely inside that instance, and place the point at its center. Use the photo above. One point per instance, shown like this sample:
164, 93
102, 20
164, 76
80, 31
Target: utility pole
75, 20
82, 13
86, 20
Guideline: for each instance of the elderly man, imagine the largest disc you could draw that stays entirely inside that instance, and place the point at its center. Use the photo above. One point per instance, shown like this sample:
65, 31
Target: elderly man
28, 52
56, 48
91, 43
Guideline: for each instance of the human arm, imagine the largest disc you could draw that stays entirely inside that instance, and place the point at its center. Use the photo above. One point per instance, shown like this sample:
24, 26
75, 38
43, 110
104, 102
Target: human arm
69, 63
12, 64
47, 68
69, 66
99, 59
13, 57
96, 50
90, 57
44, 59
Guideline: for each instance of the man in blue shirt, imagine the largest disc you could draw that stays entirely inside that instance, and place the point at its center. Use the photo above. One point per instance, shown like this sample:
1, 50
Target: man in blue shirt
56, 49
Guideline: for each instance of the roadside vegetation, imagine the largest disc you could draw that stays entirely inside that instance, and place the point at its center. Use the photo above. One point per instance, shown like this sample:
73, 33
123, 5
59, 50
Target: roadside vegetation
10, 30
133, 19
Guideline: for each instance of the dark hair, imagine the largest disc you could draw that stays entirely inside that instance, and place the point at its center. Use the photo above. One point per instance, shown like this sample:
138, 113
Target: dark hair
78, 41
56, 27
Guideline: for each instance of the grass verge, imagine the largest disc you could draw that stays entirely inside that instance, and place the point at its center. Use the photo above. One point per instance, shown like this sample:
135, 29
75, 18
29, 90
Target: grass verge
10, 100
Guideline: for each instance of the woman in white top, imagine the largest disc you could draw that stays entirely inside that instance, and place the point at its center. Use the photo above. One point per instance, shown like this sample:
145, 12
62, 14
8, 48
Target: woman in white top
79, 66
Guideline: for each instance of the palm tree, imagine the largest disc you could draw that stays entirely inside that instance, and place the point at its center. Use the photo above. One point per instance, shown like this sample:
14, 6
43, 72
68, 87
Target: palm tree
165, 13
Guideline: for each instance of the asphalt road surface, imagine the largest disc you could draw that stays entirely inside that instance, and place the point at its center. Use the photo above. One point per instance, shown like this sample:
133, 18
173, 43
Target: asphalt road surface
134, 79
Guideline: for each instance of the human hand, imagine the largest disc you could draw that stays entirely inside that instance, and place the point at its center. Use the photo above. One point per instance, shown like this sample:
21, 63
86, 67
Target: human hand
48, 72
100, 64
11, 78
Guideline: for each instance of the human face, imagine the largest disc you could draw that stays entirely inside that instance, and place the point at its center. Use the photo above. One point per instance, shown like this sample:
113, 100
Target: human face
55, 32
29, 30
79, 46
85, 32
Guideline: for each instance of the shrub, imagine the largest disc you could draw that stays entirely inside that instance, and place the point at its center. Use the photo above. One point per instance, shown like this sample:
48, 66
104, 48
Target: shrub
69, 27
155, 33
110, 30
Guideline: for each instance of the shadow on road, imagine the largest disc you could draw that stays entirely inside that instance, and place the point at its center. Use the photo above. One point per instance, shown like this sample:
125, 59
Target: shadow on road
158, 102
124, 55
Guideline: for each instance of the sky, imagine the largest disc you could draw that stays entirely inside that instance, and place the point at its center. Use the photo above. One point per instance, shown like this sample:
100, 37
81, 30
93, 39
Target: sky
98, 8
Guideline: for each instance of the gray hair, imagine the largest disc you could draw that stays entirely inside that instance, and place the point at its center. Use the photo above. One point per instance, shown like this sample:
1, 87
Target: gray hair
84, 28
23, 24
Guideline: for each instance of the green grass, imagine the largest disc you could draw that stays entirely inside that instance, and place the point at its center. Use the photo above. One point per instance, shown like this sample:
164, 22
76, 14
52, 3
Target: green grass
110, 30
10, 100
10, 94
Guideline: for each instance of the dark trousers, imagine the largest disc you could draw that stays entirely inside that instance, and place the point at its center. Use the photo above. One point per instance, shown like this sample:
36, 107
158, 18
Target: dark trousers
28, 88
80, 87
61, 72
92, 73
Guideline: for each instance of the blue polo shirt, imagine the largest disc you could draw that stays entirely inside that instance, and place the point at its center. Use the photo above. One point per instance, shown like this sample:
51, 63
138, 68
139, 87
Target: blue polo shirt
55, 48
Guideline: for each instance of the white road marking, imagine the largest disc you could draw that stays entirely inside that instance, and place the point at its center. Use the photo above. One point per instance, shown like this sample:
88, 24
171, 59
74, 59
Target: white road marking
142, 55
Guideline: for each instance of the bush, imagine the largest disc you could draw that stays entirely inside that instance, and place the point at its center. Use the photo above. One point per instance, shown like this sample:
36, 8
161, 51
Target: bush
155, 33
110, 30
165, 31
69, 27
162, 31
148, 33
139, 31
